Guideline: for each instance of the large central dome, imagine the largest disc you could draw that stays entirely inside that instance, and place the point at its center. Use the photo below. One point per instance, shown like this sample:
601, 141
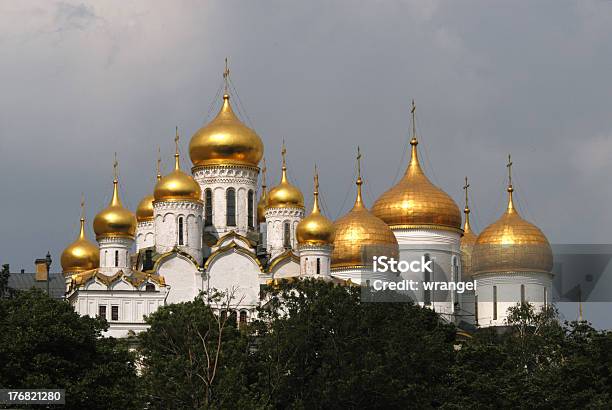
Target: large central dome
417, 203
225, 140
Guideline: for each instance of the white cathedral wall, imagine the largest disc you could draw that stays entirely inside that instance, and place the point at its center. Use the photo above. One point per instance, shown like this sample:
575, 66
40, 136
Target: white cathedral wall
145, 235
219, 178
308, 260
443, 248
115, 249
286, 269
133, 304
238, 272
182, 277
275, 222
538, 291
167, 214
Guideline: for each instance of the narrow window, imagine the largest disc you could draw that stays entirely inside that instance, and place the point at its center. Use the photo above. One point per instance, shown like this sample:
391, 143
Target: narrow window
150, 287
102, 311
115, 312
456, 280
545, 296
476, 309
116, 258
494, 302
233, 319
243, 317
148, 260
208, 207
427, 278
181, 239
287, 235
522, 294
250, 208
223, 315
318, 266
231, 207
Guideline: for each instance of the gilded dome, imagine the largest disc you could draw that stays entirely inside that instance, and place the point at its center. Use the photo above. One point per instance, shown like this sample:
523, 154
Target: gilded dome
315, 229
80, 255
115, 220
417, 203
144, 211
225, 140
511, 244
285, 195
177, 185
359, 235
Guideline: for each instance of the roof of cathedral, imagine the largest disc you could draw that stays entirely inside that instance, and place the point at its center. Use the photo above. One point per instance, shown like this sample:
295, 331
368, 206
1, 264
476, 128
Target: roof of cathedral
414, 202
285, 195
315, 229
511, 244
134, 278
115, 220
82, 254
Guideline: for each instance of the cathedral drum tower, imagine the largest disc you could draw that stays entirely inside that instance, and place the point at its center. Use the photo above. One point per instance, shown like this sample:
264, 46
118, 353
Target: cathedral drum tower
225, 154
427, 224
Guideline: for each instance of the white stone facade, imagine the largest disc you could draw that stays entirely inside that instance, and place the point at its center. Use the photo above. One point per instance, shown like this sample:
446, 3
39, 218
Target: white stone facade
145, 235
497, 292
115, 254
276, 221
217, 180
178, 225
315, 261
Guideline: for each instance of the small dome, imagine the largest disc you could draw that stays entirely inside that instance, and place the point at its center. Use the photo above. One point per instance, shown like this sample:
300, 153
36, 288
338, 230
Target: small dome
416, 203
511, 244
177, 186
315, 229
285, 195
144, 211
115, 220
80, 255
360, 235
225, 140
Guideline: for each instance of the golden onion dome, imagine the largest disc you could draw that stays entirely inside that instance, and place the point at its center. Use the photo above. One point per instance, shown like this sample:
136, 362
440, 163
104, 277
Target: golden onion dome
115, 220
467, 240
511, 244
80, 255
315, 229
177, 185
225, 140
359, 235
285, 195
417, 203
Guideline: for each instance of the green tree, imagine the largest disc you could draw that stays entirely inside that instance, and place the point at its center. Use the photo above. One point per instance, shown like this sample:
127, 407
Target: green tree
44, 343
193, 358
322, 347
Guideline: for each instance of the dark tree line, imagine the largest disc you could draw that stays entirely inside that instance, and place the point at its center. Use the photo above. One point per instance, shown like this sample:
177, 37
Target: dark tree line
314, 345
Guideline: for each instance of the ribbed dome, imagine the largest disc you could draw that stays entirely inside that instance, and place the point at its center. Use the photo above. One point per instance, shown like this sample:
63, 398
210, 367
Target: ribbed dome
511, 244
115, 220
177, 185
285, 195
315, 229
80, 255
225, 140
359, 235
417, 203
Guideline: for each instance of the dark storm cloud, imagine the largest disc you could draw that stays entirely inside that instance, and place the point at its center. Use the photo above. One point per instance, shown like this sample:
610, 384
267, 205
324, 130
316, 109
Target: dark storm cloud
82, 80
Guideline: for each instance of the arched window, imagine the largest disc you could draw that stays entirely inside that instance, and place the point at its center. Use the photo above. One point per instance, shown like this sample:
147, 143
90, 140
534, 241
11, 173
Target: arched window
287, 235
522, 293
181, 238
208, 207
250, 208
243, 317
116, 258
318, 266
230, 198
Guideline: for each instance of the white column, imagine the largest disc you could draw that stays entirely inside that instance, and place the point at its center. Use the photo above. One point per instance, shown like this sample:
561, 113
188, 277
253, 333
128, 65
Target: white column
115, 254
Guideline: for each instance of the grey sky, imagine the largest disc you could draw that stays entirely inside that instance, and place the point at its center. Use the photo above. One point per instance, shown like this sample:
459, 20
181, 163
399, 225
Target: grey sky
81, 80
